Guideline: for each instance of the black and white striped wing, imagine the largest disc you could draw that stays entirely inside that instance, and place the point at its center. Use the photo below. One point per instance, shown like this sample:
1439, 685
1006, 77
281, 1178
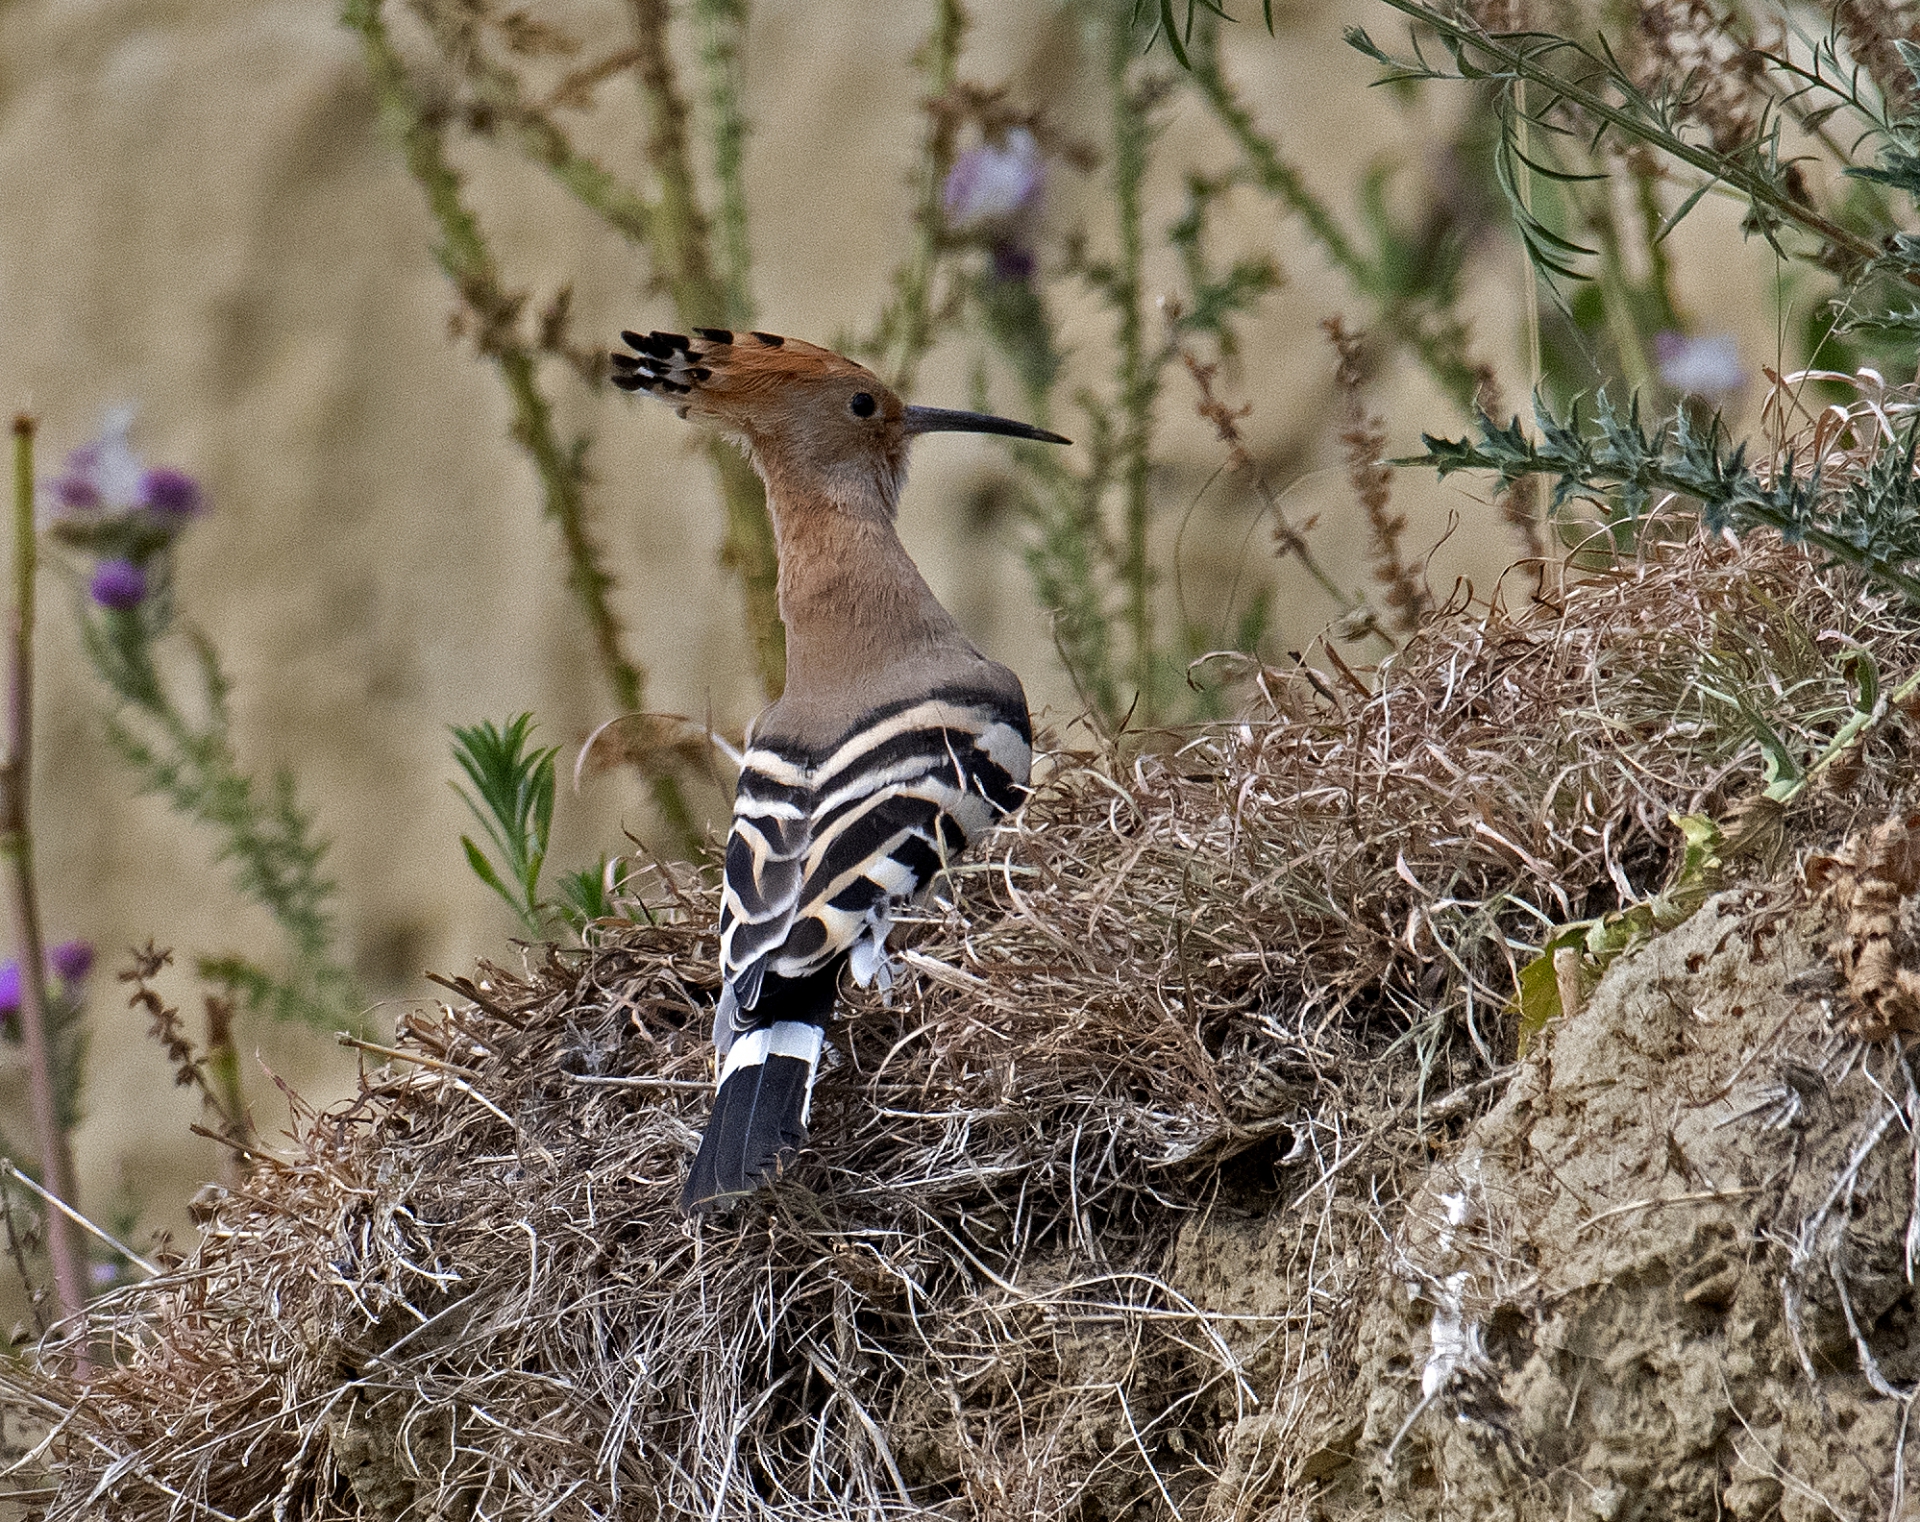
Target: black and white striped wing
765, 870
892, 804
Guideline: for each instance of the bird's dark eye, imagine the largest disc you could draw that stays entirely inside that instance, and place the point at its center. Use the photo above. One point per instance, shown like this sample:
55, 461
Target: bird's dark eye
861, 404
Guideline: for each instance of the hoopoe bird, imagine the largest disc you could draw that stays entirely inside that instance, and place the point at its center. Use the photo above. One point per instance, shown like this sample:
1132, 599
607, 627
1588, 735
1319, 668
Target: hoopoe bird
894, 743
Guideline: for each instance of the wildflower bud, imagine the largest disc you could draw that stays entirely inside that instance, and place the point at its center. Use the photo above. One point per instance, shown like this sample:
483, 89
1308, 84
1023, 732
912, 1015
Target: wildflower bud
1012, 264
1708, 366
169, 494
76, 494
992, 184
9, 990
71, 960
119, 584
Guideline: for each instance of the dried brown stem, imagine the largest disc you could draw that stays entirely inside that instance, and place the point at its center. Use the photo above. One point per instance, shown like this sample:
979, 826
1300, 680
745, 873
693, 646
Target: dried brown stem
1363, 437
1287, 539
16, 844
216, 1074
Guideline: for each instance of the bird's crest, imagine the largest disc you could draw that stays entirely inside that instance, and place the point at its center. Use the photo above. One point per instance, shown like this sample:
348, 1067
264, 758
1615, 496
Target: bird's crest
718, 372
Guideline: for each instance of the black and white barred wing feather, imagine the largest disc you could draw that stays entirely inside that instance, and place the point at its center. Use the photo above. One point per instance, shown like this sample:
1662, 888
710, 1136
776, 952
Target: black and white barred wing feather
893, 807
765, 872
823, 853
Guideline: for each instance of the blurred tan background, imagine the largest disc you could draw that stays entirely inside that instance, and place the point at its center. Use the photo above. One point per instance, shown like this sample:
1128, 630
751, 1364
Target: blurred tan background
204, 219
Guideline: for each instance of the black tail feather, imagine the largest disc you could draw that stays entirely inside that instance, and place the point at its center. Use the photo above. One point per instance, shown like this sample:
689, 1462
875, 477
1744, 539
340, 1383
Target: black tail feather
759, 1123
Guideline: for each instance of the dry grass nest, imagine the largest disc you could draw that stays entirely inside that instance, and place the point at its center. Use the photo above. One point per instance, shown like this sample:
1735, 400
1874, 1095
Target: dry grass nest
1262, 967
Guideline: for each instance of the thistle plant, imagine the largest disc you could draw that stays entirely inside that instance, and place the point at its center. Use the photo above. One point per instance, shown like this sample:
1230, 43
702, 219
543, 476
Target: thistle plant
1587, 100
1870, 519
120, 522
1679, 123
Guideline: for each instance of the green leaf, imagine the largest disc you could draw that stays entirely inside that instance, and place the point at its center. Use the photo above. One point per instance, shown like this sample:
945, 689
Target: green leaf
512, 798
1863, 680
1601, 941
1356, 37
483, 869
1778, 766
1698, 874
1171, 31
1681, 211
583, 896
1538, 999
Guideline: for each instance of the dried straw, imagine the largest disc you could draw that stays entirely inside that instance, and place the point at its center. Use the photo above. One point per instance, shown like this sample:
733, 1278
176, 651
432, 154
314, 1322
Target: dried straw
1257, 970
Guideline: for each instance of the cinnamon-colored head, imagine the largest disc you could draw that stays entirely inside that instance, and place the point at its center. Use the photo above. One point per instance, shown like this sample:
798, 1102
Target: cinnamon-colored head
811, 420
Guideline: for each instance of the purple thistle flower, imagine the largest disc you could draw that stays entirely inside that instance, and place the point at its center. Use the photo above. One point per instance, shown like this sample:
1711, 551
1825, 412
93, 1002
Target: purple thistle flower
1708, 366
993, 184
76, 494
119, 584
105, 467
106, 475
1012, 264
170, 494
9, 989
72, 960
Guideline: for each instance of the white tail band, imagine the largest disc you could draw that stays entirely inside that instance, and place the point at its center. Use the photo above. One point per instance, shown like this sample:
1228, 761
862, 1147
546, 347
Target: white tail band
784, 1038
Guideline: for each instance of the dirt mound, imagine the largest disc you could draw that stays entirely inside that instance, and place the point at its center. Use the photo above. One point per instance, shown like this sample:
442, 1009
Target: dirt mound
1667, 1275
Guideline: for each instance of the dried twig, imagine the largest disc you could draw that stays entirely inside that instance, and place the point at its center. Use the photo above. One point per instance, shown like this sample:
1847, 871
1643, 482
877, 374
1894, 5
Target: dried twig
1364, 437
1226, 425
44, 1079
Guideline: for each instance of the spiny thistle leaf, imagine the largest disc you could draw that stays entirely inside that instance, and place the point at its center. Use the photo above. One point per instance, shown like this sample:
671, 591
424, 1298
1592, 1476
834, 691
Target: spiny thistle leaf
1871, 522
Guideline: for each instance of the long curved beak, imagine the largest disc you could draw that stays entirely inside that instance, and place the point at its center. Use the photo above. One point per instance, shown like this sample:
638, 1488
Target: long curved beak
946, 420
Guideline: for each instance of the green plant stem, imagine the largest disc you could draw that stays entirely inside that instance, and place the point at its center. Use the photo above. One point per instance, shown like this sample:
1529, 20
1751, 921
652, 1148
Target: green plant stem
270, 842
1530, 282
1646, 197
1270, 171
675, 232
679, 236
223, 1075
463, 254
1065, 512
16, 843
525, 125
723, 24
907, 326
1137, 375
1851, 735
749, 552
1616, 298
1740, 507
1513, 65
680, 242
